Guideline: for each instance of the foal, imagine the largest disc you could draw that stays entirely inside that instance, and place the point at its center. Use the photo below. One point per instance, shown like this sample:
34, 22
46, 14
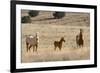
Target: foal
59, 43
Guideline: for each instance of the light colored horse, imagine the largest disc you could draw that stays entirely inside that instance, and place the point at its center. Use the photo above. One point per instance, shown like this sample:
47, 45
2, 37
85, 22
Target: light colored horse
32, 41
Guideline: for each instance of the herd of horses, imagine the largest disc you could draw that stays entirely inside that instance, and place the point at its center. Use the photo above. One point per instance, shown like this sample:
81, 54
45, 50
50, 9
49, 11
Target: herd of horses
33, 40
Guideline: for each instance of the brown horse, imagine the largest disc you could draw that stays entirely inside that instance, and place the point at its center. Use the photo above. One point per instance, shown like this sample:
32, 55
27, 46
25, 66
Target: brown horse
79, 39
59, 43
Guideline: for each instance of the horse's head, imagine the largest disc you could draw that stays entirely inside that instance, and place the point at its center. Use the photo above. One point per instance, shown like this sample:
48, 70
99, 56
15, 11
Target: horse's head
62, 39
81, 30
37, 36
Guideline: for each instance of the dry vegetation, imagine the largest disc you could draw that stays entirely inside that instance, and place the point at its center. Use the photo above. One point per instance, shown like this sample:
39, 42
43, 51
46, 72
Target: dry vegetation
52, 30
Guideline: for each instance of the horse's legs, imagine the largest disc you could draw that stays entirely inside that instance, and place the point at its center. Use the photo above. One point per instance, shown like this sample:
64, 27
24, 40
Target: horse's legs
30, 47
27, 46
33, 48
55, 47
36, 47
60, 48
81, 45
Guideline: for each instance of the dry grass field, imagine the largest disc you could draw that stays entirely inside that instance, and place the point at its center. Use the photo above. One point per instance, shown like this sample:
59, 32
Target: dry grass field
51, 30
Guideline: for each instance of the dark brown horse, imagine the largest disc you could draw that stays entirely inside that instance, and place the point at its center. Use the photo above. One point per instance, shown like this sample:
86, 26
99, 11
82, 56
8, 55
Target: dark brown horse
59, 43
79, 39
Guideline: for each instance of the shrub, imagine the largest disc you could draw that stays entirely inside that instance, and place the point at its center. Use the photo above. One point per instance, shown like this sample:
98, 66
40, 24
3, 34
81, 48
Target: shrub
33, 13
25, 19
58, 15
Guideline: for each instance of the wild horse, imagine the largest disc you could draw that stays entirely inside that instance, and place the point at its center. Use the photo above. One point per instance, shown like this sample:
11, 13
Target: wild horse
59, 43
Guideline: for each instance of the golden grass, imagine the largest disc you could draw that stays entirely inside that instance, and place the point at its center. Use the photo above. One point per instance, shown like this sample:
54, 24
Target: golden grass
52, 30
